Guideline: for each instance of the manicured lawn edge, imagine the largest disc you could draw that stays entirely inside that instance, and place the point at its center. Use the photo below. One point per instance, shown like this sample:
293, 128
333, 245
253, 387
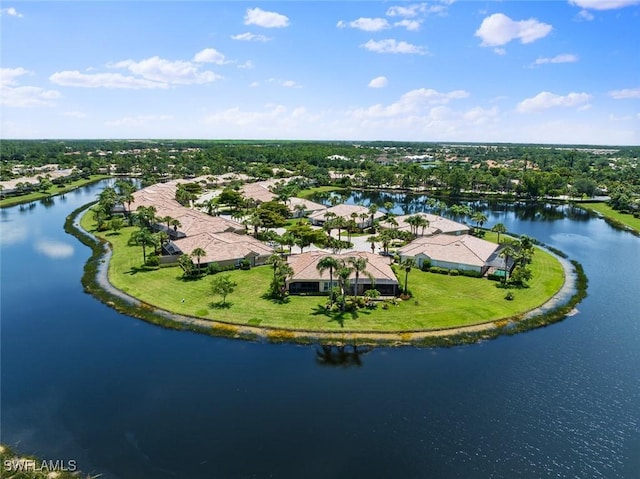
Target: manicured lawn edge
431, 337
623, 221
37, 196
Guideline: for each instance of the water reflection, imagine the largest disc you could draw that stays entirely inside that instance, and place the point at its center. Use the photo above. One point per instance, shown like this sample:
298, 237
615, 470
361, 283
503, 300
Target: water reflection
341, 356
47, 202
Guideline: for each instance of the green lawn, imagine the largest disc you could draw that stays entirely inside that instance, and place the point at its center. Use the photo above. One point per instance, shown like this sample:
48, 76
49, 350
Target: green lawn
439, 301
320, 189
53, 191
606, 210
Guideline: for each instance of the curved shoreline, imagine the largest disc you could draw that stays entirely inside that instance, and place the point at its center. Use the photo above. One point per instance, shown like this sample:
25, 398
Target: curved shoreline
96, 282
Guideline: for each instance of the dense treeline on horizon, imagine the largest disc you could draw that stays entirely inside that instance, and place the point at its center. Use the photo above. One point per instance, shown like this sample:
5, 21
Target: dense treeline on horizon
530, 171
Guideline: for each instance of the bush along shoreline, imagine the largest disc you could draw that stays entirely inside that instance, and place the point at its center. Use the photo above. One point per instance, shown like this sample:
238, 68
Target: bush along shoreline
424, 338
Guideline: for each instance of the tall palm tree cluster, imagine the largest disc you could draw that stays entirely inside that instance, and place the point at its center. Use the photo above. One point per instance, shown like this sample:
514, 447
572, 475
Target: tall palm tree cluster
519, 251
343, 268
281, 272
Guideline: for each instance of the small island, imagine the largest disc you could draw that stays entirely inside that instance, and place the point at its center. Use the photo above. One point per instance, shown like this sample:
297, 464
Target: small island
257, 261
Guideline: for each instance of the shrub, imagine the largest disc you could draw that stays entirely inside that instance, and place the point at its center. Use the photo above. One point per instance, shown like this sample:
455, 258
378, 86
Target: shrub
494, 277
509, 296
245, 264
426, 265
454, 272
470, 273
213, 268
153, 260
439, 270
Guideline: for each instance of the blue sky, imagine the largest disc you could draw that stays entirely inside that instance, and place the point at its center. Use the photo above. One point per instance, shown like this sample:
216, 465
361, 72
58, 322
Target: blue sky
481, 71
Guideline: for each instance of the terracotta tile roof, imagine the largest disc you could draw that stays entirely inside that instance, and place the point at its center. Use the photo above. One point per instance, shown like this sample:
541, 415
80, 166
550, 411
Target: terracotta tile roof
437, 225
162, 197
344, 211
308, 204
463, 249
223, 246
305, 266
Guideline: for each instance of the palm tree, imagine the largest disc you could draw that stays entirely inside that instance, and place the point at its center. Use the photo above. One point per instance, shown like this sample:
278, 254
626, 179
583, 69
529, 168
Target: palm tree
340, 223
507, 253
373, 209
300, 210
423, 223
499, 228
344, 272
372, 240
330, 263
359, 265
479, 217
144, 238
407, 264
412, 221
167, 220
162, 237
276, 261
198, 253
176, 224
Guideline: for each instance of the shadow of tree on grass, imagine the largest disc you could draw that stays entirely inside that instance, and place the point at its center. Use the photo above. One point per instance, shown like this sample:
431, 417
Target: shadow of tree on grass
220, 305
141, 269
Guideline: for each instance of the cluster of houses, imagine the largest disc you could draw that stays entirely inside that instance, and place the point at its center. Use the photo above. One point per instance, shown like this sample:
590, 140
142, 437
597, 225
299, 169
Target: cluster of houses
441, 242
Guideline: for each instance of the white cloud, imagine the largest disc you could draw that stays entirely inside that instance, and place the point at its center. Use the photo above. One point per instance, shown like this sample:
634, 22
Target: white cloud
563, 58
391, 45
262, 18
499, 51
170, 72
411, 25
210, 55
102, 80
250, 37
545, 100
366, 24
498, 29
254, 84
14, 95
273, 118
138, 121
413, 102
407, 11
603, 4
285, 83
248, 65
584, 15
54, 249
8, 75
418, 9
378, 82
625, 93
11, 12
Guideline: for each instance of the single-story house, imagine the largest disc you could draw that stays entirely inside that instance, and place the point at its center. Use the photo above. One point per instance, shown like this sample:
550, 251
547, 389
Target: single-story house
307, 279
463, 252
226, 249
360, 214
296, 204
437, 225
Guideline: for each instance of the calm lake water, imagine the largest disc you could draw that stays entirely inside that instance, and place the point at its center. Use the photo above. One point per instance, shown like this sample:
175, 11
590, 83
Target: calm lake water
130, 400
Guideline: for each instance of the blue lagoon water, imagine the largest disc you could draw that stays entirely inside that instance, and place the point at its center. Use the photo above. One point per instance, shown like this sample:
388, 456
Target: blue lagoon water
130, 400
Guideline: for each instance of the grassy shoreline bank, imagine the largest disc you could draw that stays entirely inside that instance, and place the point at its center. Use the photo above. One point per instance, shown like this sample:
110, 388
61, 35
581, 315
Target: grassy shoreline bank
37, 196
623, 221
421, 320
